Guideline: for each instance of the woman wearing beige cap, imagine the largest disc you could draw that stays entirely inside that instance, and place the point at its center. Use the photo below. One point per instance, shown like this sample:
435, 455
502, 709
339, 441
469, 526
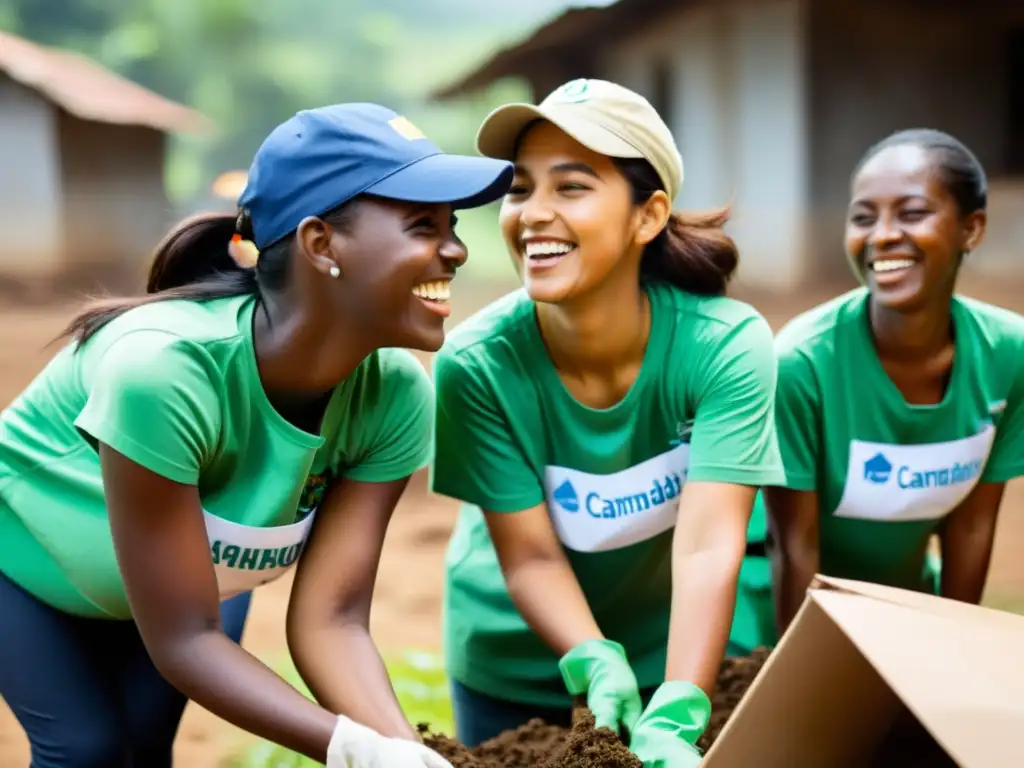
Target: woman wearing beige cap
578, 416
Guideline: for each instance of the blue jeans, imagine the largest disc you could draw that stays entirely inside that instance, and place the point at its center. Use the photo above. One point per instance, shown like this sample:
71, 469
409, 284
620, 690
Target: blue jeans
85, 690
479, 717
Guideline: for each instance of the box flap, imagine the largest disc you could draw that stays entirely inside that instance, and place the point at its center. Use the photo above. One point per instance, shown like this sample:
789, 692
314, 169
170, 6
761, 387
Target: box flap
921, 601
955, 666
832, 688
817, 703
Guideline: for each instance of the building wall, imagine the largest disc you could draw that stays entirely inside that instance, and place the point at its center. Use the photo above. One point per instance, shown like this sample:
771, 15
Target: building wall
877, 66
30, 185
731, 82
116, 208
774, 101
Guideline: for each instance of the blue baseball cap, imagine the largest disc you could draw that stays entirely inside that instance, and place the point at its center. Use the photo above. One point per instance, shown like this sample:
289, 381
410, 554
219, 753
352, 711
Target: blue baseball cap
321, 158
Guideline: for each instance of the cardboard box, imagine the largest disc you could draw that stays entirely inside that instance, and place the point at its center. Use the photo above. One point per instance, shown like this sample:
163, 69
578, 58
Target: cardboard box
859, 656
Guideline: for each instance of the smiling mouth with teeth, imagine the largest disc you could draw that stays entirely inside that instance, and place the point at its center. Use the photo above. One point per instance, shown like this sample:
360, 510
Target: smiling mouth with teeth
546, 253
891, 265
434, 295
436, 290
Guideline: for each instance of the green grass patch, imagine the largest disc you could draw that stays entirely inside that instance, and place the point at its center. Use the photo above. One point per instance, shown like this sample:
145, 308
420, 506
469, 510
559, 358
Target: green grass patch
421, 686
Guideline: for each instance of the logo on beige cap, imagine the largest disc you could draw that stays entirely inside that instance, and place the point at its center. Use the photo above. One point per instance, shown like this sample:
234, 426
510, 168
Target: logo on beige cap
574, 91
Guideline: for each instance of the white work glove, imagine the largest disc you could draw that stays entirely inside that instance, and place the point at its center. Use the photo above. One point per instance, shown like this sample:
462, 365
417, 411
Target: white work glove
356, 746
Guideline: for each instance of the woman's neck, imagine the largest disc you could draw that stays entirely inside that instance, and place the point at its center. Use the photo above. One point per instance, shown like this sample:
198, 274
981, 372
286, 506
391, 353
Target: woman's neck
597, 333
911, 336
298, 356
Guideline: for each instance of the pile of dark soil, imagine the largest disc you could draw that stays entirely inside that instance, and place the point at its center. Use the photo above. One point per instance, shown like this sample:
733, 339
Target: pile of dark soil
539, 745
735, 676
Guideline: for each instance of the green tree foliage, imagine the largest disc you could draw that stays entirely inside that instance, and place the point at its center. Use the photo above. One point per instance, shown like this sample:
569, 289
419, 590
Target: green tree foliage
247, 65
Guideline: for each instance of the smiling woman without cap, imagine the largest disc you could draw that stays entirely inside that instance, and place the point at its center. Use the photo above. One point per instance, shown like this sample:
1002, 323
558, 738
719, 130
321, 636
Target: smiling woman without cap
900, 405
186, 446
607, 428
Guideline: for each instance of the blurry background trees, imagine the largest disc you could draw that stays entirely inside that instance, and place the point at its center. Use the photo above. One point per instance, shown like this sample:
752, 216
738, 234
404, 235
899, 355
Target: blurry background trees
249, 65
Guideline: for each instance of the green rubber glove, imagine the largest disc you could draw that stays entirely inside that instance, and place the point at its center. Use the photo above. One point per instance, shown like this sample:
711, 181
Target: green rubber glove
599, 669
667, 732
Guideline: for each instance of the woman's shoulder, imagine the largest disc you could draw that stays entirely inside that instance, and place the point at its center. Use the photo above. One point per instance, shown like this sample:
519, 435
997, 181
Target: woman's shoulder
999, 328
498, 331
694, 310
815, 331
395, 370
179, 323
165, 345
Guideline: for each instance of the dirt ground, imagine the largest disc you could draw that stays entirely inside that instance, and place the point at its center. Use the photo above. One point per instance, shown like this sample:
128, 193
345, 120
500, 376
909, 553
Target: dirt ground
406, 611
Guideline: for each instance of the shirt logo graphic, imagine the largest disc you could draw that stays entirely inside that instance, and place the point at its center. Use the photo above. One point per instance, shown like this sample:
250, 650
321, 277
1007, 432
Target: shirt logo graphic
652, 495
565, 496
599, 512
877, 469
312, 494
684, 429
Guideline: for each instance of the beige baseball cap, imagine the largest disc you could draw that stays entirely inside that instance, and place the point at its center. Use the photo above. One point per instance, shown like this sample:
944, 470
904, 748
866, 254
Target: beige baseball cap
602, 116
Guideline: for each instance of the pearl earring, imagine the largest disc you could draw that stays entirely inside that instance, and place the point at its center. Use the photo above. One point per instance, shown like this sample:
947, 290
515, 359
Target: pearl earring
335, 271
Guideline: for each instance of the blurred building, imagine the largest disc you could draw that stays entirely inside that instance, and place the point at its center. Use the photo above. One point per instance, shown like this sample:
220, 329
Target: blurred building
774, 101
81, 167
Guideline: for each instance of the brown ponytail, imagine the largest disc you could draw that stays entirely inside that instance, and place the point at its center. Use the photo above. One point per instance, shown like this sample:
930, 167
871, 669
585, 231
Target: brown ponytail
693, 252
191, 262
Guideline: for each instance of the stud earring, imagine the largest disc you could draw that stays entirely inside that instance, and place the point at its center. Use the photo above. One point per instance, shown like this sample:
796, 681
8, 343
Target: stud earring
335, 271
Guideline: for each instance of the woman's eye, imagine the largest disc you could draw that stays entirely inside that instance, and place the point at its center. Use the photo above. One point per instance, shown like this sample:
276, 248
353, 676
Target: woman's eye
860, 220
425, 223
572, 187
914, 214
517, 189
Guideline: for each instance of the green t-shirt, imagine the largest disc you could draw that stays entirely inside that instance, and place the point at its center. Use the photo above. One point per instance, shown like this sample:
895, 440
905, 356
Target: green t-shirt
174, 386
887, 472
510, 436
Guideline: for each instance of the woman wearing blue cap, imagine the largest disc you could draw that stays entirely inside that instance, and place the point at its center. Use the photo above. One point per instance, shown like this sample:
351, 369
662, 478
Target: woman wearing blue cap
900, 404
607, 428
185, 446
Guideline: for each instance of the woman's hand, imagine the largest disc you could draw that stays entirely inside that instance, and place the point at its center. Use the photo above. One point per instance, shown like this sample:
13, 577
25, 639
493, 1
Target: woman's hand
356, 746
667, 733
599, 669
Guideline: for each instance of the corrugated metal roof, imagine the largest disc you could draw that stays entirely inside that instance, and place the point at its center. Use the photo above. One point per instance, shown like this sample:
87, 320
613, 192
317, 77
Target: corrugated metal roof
88, 91
588, 25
